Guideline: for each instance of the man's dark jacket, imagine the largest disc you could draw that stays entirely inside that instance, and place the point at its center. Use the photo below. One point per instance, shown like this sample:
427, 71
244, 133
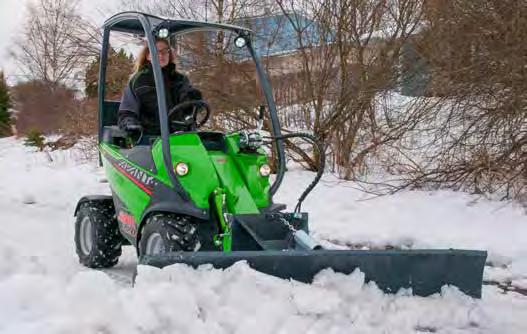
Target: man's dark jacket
139, 102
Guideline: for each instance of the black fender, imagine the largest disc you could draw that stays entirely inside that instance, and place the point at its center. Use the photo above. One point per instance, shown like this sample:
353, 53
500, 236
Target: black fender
106, 199
171, 207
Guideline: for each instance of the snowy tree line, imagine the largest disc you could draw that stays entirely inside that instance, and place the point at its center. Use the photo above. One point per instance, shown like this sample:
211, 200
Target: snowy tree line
463, 62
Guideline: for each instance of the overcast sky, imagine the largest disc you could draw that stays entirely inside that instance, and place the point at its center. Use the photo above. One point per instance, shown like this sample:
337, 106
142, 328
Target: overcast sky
13, 12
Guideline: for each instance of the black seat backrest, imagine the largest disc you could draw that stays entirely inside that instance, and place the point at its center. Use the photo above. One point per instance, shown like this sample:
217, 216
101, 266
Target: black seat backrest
110, 113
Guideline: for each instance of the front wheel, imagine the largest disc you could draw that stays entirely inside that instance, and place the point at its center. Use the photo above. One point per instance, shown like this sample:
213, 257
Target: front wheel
165, 233
97, 237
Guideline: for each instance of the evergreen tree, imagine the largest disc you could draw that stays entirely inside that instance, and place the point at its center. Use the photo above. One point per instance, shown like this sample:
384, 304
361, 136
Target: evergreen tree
118, 71
35, 138
5, 104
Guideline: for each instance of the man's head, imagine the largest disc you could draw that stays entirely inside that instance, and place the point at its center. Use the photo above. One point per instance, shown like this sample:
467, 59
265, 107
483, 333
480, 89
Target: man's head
165, 54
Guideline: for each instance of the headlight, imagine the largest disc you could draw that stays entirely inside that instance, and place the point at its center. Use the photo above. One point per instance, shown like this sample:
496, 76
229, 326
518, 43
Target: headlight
265, 170
181, 169
163, 33
240, 41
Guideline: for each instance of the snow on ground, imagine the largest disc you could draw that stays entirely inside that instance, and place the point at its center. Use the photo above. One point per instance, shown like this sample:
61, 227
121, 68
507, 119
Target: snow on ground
43, 289
416, 219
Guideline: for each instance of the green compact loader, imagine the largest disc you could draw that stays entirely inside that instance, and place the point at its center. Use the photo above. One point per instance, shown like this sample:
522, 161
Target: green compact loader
203, 197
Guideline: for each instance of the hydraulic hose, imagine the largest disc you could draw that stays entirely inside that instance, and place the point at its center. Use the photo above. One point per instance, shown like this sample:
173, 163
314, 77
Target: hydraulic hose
322, 161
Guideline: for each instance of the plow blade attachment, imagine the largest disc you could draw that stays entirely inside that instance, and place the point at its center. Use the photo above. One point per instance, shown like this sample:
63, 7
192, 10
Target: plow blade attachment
424, 271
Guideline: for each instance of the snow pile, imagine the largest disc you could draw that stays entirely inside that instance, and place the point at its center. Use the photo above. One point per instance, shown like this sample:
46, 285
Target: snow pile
43, 289
178, 299
416, 219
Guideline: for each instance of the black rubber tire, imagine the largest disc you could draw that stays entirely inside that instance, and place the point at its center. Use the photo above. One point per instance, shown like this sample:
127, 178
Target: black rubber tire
178, 233
106, 240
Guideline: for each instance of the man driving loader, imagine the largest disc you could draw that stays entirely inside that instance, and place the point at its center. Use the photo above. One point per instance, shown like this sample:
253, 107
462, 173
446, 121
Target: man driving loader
205, 197
138, 111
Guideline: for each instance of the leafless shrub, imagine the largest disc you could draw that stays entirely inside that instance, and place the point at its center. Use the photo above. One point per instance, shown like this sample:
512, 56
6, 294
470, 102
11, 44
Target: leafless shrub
349, 52
55, 42
81, 119
476, 55
42, 107
223, 11
87, 148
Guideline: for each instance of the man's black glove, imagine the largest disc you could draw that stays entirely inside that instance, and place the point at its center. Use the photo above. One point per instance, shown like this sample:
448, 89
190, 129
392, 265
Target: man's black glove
128, 122
134, 132
194, 94
187, 94
133, 128
191, 94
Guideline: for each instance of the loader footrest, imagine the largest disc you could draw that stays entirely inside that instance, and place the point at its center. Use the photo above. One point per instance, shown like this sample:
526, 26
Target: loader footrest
265, 231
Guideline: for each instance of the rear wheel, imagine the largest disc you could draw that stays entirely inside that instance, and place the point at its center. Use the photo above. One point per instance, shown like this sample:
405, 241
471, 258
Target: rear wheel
165, 233
97, 237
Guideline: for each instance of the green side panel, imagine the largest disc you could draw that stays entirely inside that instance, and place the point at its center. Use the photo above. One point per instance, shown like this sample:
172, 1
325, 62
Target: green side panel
130, 194
239, 199
249, 168
201, 179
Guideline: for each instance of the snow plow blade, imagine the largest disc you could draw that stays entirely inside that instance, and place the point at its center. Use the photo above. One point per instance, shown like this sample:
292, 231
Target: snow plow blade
272, 248
424, 271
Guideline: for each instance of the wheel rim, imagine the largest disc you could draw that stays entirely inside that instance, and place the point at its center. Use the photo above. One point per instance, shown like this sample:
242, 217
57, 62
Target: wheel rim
86, 241
154, 244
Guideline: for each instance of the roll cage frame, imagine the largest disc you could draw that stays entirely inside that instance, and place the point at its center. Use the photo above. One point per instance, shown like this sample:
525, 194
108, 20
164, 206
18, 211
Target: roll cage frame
149, 25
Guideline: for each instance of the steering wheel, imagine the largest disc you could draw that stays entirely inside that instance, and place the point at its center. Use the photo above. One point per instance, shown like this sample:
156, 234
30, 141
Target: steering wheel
190, 121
